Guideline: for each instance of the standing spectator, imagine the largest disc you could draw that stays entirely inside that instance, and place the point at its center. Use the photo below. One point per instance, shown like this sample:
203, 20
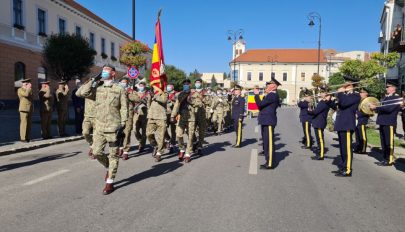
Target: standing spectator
26, 108
78, 104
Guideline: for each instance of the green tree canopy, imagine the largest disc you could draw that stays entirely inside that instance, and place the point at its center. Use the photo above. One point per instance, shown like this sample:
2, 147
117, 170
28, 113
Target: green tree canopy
282, 94
175, 76
335, 80
67, 56
133, 54
214, 82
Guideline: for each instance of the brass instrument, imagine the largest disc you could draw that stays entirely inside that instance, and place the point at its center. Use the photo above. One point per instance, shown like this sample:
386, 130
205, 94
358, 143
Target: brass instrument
366, 103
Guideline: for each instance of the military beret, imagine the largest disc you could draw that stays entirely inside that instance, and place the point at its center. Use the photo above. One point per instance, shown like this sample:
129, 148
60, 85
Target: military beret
199, 79
26, 80
187, 81
391, 83
109, 66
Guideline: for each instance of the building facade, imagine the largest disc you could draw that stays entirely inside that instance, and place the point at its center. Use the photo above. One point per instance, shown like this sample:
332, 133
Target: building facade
220, 78
24, 28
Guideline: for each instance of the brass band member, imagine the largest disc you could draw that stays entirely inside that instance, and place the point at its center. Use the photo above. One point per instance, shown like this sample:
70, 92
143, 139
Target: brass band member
361, 133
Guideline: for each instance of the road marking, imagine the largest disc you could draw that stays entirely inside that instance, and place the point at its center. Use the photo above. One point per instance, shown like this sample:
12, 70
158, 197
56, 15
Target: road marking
257, 129
253, 162
46, 177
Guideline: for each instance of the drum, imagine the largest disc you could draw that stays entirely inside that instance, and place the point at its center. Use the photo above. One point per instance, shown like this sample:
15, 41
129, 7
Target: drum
365, 104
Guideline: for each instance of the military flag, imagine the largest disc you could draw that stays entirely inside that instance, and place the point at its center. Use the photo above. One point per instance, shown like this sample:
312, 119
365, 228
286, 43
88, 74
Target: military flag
157, 75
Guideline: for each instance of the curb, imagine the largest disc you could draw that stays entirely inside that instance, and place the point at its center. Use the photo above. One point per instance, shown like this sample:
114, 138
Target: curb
38, 146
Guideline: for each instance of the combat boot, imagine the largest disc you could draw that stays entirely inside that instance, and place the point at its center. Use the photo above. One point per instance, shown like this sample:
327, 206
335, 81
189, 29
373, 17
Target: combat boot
158, 157
109, 188
91, 155
181, 155
187, 159
125, 156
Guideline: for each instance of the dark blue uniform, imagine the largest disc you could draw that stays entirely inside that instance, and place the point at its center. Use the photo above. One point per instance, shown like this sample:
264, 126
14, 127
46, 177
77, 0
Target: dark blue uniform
345, 125
268, 120
238, 112
319, 121
387, 119
305, 120
361, 133
78, 104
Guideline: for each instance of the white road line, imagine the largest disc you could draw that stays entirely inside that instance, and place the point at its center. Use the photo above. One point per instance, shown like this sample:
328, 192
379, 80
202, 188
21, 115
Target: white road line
257, 129
60, 172
253, 162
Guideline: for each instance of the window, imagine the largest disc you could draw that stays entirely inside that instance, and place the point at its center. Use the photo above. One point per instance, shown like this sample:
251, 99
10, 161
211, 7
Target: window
285, 76
78, 31
249, 76
112, 49
260, 76
41, 22
235, 75
19, 73
91, 40
62, 26
273, 75
17, 10
302, 76
102, 45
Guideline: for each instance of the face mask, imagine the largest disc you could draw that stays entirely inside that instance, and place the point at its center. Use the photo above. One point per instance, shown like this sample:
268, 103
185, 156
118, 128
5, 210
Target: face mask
169, 88
219, 93
105, 75
123, 85
186, 88
141, 89
198, 85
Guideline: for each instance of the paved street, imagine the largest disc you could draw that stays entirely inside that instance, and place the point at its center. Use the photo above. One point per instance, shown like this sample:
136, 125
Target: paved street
58, 188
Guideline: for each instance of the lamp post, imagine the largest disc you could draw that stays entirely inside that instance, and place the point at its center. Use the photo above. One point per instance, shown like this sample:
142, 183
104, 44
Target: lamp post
273, 60
133, 19
312, 17
233, 37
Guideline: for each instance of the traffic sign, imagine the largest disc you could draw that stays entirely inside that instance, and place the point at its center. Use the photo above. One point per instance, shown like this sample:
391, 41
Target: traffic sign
133, 72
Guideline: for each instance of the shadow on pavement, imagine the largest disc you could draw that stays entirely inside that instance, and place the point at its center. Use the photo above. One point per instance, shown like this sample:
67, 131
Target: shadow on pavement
400, 164
280, 156
248, 142
9, 167
211, 149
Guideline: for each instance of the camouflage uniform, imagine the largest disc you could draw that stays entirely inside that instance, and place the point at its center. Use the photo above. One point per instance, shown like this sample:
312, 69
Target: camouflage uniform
171, 126
46, 103
112, 113
156, 129
185, 109
132, 98
89, 111
218, 106
201, 125
207, 100
227, 111
140, 117
25, 108
62, 107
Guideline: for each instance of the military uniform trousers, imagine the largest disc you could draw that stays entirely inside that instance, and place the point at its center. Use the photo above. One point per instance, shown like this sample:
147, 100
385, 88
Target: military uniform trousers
62, 122
238, 124
111, 161
79, 117
387, 142
89, 125
155, 131
346, 150
320, 140
182, 127
268, 144
171, 127
201, 124
140, 122
127, 131
46, 120
306, 127
218, 120
361, 138
25, 125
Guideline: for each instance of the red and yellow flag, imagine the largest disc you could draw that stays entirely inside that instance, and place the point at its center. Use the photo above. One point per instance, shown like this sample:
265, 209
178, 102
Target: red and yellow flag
157, 75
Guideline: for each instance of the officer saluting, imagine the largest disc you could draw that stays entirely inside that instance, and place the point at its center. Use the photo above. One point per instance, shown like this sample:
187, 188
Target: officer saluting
345, 124
268, 119
387, 119
238, 112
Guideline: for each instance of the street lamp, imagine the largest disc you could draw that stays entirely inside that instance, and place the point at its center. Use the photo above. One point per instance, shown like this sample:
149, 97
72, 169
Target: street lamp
133, 19
312, 17
233, 37
273, 60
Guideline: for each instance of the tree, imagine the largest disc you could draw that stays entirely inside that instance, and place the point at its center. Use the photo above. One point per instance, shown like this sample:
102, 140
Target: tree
214, 82
175, 76
335, 80
133, 54
317, 80
282, 94
390, 59
194, 76
67, 56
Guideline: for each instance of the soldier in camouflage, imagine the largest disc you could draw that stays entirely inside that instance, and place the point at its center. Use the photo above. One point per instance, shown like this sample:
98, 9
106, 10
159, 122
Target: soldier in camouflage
227, 109
197, 97
156, 128
218, 107
112, 113
170, 135
207, 100
140, 115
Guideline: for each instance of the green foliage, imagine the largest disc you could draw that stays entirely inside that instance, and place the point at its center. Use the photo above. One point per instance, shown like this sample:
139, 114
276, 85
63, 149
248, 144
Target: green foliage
175, 76
389, 60
133, 54
317, 80
67, 56
375, 87
194, 75
335, 80
282, 94
214, 82
361, 70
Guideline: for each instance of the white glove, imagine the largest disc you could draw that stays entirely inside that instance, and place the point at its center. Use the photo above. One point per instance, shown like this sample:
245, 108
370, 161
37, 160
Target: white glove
211, 111
220, 100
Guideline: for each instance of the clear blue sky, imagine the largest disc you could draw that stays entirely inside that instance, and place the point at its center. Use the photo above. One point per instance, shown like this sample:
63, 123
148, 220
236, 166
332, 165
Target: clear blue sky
195, 31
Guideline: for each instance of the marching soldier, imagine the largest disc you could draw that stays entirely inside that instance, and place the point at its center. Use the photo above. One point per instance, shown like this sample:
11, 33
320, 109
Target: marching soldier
306, 119
89, 122
268, 119
238, 113
156, 128
78, 105
207, 100
46, 103
111, 117
319, 121
140, 115
227, 109
361, 133
171, 126
345, 124
387, 119
25, 108
218, 109
132, 98
184, 113
62, 94
197, 97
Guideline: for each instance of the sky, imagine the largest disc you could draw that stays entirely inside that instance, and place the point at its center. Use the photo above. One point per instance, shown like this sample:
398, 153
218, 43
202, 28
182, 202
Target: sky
195, 31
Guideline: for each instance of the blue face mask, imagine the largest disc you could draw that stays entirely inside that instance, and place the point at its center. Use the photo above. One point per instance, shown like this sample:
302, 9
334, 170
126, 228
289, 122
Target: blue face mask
169, 88
105, 75
198, 85
141, 89
186, 88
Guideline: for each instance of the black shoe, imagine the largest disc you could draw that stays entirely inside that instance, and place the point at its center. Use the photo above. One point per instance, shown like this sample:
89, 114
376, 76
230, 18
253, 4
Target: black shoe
343, 174
305, 147
384, 164
261, 153
235, 146
265, 167
317, 158
337, 171
171, 150
155, 149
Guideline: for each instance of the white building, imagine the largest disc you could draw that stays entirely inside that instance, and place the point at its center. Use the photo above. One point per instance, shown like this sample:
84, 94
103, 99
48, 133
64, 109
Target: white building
221, 80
